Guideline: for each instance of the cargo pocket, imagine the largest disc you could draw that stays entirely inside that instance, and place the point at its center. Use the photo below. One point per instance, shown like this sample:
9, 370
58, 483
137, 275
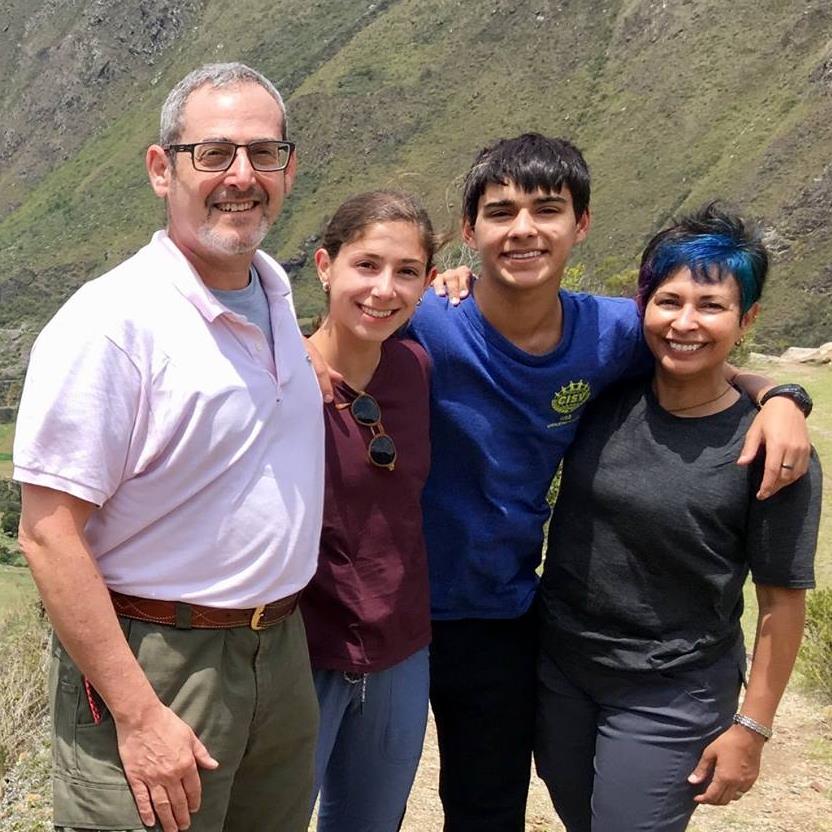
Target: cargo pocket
63, 701
90, 789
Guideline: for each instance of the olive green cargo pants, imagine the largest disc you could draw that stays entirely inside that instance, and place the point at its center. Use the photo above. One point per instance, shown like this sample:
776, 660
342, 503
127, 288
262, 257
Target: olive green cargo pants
247, 695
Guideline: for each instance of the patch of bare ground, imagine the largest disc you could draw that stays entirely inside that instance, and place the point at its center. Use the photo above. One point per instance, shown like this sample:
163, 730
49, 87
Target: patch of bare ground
424, 813
793, 794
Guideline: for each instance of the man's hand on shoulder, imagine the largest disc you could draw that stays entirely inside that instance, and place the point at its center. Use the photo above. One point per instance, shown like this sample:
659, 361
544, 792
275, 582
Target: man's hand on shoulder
162, 756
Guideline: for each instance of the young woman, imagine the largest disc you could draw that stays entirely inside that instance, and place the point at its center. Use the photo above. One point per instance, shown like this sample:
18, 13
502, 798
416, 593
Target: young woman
652, 537
367, 610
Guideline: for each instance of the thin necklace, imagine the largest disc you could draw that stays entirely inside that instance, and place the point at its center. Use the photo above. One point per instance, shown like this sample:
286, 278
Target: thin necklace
701, 404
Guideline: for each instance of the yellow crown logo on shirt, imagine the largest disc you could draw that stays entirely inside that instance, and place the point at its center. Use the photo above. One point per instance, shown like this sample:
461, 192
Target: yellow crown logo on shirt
571, 396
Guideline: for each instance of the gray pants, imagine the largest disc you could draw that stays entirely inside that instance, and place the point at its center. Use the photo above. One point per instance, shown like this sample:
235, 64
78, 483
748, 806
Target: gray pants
615, 749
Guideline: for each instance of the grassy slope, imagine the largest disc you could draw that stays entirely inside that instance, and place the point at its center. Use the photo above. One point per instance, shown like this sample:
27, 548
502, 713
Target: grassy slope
90, 211
818, 380
657, 140
16, 587
672, 105
819, 383
6, 439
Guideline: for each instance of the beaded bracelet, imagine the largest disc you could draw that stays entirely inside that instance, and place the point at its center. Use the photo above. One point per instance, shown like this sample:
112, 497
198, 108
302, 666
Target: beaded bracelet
753, 725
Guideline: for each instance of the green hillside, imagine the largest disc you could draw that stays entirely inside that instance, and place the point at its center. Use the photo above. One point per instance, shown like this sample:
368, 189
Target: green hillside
673, 101
6, 438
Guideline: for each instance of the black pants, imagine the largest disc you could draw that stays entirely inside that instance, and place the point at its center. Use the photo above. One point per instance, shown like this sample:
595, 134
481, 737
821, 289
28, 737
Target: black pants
483, 694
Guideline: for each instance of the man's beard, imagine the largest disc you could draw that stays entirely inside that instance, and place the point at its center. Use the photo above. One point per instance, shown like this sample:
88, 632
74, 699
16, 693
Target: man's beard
229, 242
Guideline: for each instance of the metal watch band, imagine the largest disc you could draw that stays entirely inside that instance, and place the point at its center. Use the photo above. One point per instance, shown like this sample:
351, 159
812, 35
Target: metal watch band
752, 725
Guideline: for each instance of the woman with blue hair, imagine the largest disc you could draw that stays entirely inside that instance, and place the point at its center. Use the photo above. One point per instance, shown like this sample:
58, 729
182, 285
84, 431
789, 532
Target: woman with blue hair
653, 535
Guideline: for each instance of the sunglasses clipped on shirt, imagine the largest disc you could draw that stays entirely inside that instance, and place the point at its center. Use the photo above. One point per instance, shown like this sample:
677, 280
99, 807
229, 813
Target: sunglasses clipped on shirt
381, 450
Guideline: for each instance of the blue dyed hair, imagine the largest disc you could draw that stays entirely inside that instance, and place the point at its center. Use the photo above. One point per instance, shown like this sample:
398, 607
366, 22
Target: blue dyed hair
715, 245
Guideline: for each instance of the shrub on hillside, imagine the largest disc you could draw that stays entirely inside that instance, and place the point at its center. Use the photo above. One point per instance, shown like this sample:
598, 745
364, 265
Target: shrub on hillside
815, 660
457, 254
10, 554
9, 496
622, 284
10, 522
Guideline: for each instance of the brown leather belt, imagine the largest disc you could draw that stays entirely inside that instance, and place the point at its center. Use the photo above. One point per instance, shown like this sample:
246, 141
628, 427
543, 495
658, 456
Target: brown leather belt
185, 616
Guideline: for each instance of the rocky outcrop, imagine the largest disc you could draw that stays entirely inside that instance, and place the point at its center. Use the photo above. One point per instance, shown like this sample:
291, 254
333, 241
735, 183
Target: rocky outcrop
64, 56
796, 355
808, 355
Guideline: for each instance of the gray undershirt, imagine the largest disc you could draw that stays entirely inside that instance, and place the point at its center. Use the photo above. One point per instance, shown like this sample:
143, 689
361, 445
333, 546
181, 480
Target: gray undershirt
250, 302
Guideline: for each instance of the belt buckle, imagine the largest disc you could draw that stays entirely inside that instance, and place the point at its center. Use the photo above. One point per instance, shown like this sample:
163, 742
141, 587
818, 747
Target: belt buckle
256, 618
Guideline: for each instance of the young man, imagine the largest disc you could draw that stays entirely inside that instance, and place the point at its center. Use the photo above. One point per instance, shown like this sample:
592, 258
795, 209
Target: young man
170, 447
513, 367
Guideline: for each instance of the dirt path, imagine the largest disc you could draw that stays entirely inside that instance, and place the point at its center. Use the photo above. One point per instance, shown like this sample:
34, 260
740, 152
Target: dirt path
794, 793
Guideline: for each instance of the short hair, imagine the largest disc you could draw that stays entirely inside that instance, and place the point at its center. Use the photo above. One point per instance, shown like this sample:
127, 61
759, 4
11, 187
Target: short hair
532, 162
218, 76
361, 211
714, 244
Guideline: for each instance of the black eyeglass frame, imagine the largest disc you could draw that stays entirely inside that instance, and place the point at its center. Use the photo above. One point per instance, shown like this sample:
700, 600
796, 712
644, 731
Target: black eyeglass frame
189, 148
378, 435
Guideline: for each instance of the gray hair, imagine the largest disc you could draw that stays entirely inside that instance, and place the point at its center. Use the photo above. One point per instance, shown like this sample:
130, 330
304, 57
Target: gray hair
218, 76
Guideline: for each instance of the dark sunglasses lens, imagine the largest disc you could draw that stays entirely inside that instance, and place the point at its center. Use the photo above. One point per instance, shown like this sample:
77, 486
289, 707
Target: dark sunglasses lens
382, 450
365, 410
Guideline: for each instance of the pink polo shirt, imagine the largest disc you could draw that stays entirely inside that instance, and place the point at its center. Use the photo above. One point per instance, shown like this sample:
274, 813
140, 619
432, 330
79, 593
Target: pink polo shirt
203, 450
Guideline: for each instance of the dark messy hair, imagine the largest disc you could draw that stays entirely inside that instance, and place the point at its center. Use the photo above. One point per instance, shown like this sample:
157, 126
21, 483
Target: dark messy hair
532, 162
715, 244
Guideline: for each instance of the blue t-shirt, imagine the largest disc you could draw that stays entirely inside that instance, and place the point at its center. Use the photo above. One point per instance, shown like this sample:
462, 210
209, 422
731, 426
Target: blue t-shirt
501, 420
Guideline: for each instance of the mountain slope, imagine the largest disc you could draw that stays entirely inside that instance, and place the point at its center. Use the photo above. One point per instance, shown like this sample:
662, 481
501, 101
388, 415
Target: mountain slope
673, 101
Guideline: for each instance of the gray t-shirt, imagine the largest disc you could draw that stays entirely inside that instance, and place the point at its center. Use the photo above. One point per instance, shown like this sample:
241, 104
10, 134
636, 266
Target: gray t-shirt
655, 530
250, 302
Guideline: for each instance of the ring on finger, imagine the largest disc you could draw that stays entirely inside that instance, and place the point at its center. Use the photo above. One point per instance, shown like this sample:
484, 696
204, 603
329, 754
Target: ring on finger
787, 466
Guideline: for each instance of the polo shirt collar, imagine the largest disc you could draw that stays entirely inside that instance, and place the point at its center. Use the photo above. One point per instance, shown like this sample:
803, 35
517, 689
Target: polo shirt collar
273, 278
187, 280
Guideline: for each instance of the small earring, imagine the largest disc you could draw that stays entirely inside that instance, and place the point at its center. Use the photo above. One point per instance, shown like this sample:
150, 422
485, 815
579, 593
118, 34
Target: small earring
325, 286
419, 302
740, 341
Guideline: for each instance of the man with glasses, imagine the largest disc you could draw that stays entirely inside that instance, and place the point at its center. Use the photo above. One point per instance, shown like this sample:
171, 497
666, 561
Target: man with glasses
170, 448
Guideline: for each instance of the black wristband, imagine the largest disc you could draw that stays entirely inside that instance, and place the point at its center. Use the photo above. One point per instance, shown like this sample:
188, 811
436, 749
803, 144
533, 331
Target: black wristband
791, 391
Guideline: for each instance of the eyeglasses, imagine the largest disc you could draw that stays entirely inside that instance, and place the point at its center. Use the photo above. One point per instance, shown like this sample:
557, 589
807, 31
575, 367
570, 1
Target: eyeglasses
215, 157
365, 410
